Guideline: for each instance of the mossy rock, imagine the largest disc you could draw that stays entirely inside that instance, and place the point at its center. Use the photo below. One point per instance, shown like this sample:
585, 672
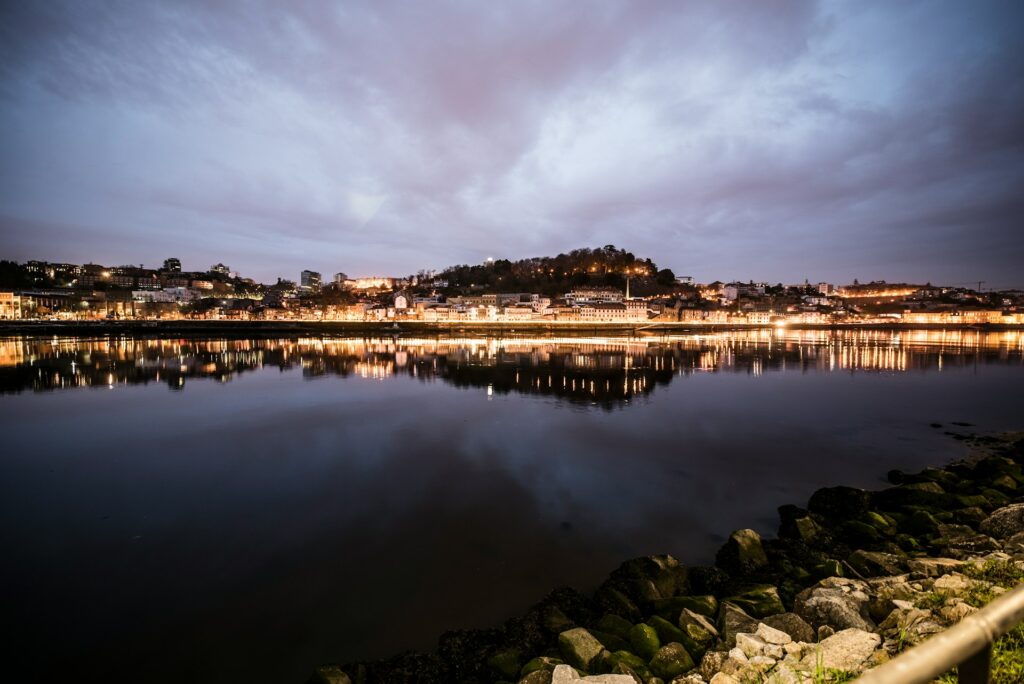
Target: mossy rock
830, 567
742, 553
540, 663
671, 607
506, 663
969, 516
973, 500
759, 601
615, 601
628, 659
667, 632
840, 503
922, 522
579, 648
644, 640
615, 624
995, 497
670, 661
881, 522
908, 543
857, 533
329, 674
610, 641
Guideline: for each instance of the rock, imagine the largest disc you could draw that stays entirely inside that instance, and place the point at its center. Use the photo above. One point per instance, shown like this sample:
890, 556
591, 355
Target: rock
875, 563
846, 650
732, 620
921, 522
649, 578
759, 601
722, 678
667, 632
956, 612
692, 678
539, 663
329, 674
669, 608
840, 503
506, 662
837, 602
712, 663
579, 648
537, 677
761, 663
644, 640
751, 645
952, 583
962, 539
615, 601
564, 673
671, 660
770, 635
1005, 522
792, 624
933, 567
615, 624
688, 617
742, 554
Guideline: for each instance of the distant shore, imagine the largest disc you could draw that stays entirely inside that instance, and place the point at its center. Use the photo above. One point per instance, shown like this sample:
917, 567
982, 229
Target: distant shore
160, 328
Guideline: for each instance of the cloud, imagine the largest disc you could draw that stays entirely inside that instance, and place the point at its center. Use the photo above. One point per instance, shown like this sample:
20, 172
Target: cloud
394, 136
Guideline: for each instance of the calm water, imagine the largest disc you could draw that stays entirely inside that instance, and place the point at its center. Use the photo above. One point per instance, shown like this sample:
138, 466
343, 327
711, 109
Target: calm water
211, 510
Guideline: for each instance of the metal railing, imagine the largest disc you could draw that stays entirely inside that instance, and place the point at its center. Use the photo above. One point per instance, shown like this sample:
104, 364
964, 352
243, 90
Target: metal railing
967, 646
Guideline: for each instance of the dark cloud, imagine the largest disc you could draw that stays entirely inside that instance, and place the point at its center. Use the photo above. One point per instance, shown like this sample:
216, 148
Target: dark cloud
766, 140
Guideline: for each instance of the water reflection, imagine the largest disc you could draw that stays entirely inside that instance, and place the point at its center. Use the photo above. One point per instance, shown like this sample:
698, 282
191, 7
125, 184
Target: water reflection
605, 372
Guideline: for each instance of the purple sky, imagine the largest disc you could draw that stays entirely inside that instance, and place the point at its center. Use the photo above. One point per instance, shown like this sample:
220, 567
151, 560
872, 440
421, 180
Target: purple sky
765, 140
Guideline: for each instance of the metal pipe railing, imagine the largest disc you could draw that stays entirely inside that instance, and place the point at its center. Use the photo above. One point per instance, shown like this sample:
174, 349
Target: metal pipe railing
967, 645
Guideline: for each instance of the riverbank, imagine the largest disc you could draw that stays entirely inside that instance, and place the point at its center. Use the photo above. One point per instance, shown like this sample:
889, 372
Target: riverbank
851, 580
256, 329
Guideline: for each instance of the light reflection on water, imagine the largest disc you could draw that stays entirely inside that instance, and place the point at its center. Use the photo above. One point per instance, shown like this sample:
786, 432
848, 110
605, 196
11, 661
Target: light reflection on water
307, 500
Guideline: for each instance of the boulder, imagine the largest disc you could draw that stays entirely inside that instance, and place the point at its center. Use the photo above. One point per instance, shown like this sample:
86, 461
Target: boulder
537, 677
792, 624
667, 632
840, 503
731, 621
759, 601
933, 567
671, 660
876, 563
770, 635
650, 578
615, 624
579, 648
712, 663
506, 663
962, 540
644, 640
837, 602
329, 674
847, 650
1004, 522
742, 554
540, 663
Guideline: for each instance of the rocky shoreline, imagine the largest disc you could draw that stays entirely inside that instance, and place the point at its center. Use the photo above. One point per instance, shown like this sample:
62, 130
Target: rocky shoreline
850, 581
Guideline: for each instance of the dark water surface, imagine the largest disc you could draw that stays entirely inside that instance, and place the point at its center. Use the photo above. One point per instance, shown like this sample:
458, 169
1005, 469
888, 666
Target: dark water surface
213, 510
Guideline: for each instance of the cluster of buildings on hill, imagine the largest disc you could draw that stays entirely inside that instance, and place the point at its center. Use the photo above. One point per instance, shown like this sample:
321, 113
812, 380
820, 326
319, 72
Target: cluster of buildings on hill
68, 291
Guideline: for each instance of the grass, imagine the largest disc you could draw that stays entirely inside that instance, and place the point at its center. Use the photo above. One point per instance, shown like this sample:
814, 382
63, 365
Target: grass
1008, 651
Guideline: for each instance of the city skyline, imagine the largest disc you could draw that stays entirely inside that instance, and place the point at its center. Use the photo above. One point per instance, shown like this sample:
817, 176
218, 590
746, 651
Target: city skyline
827, 141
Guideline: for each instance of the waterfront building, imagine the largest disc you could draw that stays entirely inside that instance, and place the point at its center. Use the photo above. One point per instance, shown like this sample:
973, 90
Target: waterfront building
310, 280
10, 306
172, 265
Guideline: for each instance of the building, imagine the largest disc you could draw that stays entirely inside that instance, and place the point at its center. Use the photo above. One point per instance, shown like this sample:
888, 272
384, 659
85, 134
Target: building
172, 265
593, 295
220, 269
339, 279
684, 280
10, 306
309, 280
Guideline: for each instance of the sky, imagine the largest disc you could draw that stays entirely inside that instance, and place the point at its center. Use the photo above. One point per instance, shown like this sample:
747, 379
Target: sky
771, 141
